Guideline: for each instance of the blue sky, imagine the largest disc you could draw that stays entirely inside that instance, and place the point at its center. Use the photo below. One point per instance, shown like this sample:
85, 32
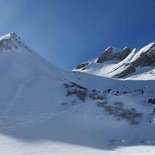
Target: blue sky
68, 32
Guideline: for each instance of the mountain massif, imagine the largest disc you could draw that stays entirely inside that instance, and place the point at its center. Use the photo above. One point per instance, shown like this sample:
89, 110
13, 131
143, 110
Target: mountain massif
47, 111
123, 63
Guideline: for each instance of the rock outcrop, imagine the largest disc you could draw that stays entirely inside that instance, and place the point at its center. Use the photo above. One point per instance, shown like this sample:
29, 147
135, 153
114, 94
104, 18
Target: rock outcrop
124, 53
108, 54
112, 54
81, 66
145, 58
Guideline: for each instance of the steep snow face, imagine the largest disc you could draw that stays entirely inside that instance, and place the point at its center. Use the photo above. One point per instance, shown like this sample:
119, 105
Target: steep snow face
26, 82
133, 64
21, 61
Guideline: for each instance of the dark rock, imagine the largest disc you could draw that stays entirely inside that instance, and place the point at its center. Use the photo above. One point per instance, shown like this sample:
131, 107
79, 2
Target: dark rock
151, 100
125, 72
125, 92
77, 90
142, 91
109, 90
146, 59
108, 54
74, 85
81, 94
125, 52
81, 66
64, 103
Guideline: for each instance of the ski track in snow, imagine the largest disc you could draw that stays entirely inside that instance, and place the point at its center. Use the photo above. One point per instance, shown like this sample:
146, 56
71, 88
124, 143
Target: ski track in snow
16, 95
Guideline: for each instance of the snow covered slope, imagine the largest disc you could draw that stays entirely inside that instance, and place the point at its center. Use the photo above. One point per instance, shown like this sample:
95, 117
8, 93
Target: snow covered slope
132, 64
26, 83
45, 110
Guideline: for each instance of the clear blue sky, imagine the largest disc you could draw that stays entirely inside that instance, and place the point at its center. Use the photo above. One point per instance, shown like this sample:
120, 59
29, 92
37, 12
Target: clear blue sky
68, 32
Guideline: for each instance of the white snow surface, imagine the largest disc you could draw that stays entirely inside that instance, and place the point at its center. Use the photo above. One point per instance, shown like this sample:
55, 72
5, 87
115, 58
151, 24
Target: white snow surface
36, 116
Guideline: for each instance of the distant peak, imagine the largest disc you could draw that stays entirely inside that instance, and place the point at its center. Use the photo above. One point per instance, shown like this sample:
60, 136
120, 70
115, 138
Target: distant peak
12, 41
112, 53
11, 35
110, 48
126, 47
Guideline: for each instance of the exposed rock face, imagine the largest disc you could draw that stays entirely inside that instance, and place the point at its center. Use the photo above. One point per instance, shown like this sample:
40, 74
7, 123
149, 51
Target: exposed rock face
111, 54
8, 44
81, 66
146, 59
125, 72
124, 53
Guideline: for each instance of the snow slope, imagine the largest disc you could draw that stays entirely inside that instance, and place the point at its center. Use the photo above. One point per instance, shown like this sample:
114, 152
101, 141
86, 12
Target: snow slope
45, 110
24, 77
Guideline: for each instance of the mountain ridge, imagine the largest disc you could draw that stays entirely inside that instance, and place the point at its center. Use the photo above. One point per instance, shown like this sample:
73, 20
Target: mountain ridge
131, 63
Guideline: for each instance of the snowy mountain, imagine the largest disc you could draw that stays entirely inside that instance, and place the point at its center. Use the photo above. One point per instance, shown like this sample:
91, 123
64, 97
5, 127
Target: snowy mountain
123, 63
47, 111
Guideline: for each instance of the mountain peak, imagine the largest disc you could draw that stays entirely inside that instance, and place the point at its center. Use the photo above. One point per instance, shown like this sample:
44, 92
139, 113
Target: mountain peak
112, 53
111, 49
9, 35
11, 41
108, 49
